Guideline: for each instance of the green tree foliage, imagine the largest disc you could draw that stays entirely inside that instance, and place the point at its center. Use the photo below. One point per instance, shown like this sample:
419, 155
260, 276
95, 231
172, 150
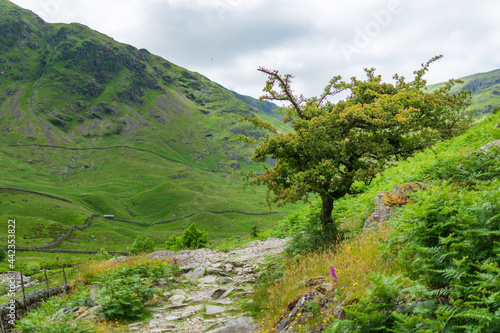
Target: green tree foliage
142, 245
335, 147
192, 238
102, 255
3, 254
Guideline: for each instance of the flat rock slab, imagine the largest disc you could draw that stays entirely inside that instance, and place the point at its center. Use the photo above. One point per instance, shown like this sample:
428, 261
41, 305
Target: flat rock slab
178, 292
196, 273
177, 299
192, 310
214, 309
238, 325
208, 279
162, 255
187, 268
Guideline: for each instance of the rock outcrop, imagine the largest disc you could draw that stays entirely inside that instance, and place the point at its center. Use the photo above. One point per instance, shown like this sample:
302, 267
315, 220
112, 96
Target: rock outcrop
386, 202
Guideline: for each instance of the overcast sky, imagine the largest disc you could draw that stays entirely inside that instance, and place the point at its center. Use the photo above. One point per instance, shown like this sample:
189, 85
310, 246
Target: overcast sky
227, 40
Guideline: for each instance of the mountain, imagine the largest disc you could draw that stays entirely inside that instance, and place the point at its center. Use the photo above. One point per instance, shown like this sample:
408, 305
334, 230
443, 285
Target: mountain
485, 89
120, 131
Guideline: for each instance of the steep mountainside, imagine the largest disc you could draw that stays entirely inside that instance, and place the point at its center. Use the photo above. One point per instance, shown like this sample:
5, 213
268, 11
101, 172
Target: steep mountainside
68, 85
485, 88
120, 131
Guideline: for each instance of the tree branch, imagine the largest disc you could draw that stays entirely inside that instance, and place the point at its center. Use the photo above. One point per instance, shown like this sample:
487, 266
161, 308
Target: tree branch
287, 94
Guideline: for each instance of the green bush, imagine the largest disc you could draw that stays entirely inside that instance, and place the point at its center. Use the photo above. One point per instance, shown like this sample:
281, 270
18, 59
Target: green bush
123, 297
50, 264
307, 232
3, 289
124, 291
32, 267
392, 305
102, 255
469, 170
142, 245
3, 254
192, 238
174, 243
152, 271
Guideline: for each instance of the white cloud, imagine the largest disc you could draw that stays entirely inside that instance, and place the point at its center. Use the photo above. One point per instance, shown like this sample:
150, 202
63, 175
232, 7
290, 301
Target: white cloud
304, 38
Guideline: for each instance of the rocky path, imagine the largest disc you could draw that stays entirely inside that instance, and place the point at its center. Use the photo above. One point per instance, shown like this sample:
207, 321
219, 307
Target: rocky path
215, 287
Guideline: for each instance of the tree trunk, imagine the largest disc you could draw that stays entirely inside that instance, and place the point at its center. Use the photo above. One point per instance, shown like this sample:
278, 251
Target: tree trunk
326, 209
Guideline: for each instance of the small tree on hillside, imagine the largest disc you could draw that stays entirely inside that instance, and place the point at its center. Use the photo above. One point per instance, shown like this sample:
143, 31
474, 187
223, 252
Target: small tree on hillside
142, 245
192, 238
335, 146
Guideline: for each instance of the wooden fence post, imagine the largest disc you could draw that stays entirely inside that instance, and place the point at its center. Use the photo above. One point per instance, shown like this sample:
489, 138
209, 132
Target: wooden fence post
22, 286
46, 278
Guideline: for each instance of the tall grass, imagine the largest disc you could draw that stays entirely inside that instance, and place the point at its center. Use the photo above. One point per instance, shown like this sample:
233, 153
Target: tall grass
353, 260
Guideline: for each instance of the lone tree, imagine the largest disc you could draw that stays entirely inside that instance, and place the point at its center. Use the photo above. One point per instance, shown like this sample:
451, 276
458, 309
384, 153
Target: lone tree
335, 146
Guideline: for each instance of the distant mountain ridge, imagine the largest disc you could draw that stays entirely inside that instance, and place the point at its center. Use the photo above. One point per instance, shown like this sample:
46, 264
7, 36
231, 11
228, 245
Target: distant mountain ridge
117, 130
485, 89
68, 84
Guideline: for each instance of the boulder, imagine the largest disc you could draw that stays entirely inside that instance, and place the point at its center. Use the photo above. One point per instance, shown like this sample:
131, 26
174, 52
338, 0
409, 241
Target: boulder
238, 325
196, 273
386, 202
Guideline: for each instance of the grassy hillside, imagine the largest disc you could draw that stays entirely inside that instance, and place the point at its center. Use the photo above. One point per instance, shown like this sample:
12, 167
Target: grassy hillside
413, 275
485, 88
117, 130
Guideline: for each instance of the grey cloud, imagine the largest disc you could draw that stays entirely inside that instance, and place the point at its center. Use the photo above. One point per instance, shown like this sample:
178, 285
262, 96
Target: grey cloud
302, 38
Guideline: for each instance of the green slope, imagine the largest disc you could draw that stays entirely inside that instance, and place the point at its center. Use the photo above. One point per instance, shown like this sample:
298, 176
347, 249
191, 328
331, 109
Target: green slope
485, 89
117, 130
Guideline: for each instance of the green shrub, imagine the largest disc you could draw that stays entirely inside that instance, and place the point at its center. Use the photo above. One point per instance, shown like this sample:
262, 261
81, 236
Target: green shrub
174, 243
122, 297
102, 255
124, 290
3, 254
82, 297
152, 271
32, 267
469, 170
54, 264
392, 305
3, 289
142, 245
192, 238
307, 231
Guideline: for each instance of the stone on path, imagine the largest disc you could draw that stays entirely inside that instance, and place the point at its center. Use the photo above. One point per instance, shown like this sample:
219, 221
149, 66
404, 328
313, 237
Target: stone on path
217, 293
238, 325
196, 273
213, 309
177, 299
192, 309
178, 292
207, 279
